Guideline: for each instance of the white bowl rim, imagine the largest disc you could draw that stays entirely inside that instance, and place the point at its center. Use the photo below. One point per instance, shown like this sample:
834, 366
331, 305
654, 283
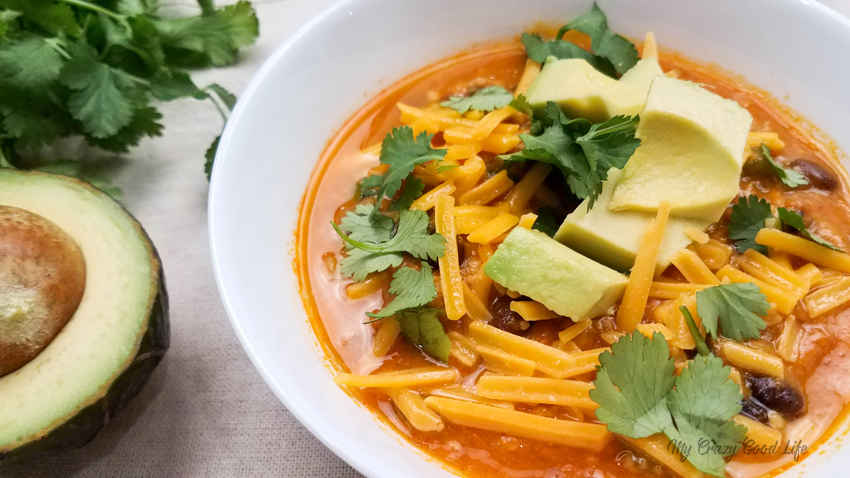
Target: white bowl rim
356, 461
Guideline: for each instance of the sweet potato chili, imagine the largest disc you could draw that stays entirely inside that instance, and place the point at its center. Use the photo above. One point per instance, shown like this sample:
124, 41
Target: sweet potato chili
442, 270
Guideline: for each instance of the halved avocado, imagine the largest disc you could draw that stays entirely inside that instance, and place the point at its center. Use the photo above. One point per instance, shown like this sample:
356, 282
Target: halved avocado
115, 338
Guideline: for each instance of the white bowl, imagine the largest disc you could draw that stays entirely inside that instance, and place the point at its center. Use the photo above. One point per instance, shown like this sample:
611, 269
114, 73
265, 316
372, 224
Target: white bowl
327, 70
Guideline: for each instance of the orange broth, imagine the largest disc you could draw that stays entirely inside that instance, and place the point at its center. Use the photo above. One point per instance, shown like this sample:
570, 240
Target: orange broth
339, 321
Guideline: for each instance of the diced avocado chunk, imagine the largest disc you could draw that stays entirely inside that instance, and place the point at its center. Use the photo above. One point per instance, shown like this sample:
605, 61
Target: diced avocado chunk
612, 238
584, 92
537, 266
691, 152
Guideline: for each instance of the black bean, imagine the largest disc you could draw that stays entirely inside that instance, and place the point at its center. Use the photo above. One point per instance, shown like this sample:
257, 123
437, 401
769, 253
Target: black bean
817, 175
777, 396
754, 410
504, 318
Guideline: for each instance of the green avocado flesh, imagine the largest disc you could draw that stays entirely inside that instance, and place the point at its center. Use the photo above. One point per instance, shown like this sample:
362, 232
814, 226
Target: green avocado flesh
613, 238
583, 92
566, 282
691, 152
114, 340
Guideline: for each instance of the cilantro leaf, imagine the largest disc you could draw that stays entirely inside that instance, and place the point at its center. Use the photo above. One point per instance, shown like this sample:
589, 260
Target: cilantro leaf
360, 263
546, 222
520, 103
228, 98
610, 144
736, 305
402, 152
702, 348
364, 226
583, 152
411, 289
702, 403
51, 16
366, 256
486, 99
747, 219
631, 383
369, 185
553, 147
171, 85
795, 220
789, 177
213, 38
638, 396
413, 188
210, 157
422, 328
539, 50
607, 145
145, 122
620, 52
101, 98
30, 62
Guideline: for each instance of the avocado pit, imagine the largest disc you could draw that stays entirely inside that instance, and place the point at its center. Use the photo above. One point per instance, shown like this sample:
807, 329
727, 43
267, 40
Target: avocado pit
42, 280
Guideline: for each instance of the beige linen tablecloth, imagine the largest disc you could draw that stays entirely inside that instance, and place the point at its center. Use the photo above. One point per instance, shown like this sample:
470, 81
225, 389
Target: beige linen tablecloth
205, 412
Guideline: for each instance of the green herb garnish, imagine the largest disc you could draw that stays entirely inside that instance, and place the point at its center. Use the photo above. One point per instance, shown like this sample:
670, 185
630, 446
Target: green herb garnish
639, 396
486, 99
747, 219
738, 307
411, 289
582, 151
402, 153
606, 44
751, 213
422, 328
520, 103
795, 220
539, 50
609, 53
372, 249
546, 222
413, 188
789, 177
702, 348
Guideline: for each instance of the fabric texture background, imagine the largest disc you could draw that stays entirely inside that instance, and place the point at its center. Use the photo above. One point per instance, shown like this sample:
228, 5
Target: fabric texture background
205, 411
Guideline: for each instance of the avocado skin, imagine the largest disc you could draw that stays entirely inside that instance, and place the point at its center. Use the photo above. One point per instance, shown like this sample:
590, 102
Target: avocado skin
87, 422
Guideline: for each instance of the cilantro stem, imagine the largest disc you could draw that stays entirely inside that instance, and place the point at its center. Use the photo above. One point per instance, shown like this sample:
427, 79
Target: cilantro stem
359, 245
217, 106
96, 8
207, 7
702, 348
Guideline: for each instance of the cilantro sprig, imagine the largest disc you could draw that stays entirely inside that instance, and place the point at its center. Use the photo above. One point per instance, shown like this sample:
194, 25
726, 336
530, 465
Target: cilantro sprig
94, 69
795, 221
402, 152
639, 396
422, 328
748, 218
745, 222
609, 53
582, 151
606, 44
737, 306
789, 177
375, 244
411, 288
486, 99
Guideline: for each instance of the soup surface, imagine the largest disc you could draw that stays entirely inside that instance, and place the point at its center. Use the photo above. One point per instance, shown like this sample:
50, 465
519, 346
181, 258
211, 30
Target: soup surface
811, 349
